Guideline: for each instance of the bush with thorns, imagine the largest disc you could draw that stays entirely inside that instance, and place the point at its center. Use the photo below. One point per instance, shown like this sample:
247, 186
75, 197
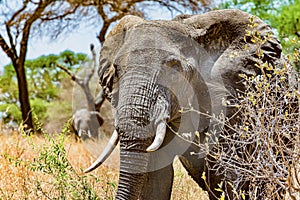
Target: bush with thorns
256, 151
262, 148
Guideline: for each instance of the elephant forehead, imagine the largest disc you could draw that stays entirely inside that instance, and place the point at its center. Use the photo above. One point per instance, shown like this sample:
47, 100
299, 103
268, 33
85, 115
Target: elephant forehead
154, 37
157, 36
146, 57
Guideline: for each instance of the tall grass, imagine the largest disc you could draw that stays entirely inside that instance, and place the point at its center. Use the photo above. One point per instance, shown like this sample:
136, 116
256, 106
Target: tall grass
44, 167
50, 168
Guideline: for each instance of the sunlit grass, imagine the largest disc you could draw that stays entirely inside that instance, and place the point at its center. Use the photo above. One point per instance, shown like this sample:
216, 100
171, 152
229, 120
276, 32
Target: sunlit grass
23, 175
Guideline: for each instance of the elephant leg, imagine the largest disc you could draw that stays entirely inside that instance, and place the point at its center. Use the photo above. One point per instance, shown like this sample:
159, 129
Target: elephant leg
159, 179
158, 184
195, 167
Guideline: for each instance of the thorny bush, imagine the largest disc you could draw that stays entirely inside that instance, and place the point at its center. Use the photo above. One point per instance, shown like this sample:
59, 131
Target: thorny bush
262, 149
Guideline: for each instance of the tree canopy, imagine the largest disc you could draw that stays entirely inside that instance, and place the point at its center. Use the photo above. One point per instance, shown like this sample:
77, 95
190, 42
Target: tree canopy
44, 82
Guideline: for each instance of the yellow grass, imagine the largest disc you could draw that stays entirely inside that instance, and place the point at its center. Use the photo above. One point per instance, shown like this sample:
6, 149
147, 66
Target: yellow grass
19, 181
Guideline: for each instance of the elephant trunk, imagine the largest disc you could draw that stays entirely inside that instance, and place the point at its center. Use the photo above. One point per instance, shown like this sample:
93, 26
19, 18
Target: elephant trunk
136, 117
133, 166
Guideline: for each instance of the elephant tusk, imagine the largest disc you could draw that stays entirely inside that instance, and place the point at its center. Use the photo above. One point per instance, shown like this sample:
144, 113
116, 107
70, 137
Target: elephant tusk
80, 132
159, 137
106, 153
89, 133
95, 113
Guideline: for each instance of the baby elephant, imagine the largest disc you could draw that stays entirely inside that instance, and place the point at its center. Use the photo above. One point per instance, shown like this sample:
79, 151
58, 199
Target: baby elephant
86, 123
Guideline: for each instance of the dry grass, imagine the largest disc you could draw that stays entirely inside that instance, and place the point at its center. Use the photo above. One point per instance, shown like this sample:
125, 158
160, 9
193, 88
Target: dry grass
184, 188
20, 181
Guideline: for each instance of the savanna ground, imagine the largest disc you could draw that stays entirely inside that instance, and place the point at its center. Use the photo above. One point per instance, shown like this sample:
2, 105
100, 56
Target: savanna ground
42, 167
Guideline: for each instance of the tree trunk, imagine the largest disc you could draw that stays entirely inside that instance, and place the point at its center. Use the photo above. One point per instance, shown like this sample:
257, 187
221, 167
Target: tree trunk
24, 98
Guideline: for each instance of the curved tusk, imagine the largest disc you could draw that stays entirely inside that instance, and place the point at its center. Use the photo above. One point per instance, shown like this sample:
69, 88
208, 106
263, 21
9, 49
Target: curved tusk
159, 137
89, 133
80, 132
95, 113
106, 152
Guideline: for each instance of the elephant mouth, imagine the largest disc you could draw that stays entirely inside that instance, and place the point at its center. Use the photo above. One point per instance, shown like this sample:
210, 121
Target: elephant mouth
160, 116
114, 140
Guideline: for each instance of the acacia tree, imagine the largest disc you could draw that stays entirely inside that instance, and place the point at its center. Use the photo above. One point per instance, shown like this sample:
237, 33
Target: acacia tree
111, 11
20, 24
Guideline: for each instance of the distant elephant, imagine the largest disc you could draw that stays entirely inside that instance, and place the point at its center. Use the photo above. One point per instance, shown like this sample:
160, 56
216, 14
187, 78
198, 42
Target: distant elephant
156, 73
86, 123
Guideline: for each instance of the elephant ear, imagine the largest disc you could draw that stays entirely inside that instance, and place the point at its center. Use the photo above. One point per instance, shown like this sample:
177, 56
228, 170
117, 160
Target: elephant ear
223, 32
114, 41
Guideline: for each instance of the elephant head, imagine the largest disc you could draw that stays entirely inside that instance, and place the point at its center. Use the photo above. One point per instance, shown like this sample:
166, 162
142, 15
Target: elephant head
153, 71
86, 123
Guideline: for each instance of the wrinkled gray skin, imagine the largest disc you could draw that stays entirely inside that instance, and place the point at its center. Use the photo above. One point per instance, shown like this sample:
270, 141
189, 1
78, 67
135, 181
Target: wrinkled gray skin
139, 66
86, 123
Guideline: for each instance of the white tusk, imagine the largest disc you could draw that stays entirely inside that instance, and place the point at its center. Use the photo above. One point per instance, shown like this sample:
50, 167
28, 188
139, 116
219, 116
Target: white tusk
95, 113
80, 132
159, 137
89, 133
106, 152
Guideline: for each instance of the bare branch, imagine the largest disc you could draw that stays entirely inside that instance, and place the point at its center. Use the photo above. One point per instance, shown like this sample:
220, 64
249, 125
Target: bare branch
11, 41
84, 82
9, 52
62, 16
169, 6
70, 73
12, 19
92, 71
26, 29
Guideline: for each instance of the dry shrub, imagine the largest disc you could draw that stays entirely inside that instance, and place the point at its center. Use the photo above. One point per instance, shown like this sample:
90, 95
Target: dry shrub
262, 149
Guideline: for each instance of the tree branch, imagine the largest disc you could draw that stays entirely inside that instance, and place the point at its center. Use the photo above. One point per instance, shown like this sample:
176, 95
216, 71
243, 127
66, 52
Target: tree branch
169, 6
91, 73
26, 30
8, 51
11, 41
71, 74
84, 82
11, 21
60, 16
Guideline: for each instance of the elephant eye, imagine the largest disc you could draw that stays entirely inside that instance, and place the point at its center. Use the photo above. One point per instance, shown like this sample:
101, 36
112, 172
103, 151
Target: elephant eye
174, 64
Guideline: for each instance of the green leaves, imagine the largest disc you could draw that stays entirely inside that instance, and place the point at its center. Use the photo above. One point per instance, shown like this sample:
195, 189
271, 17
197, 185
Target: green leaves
44, 83
282, 16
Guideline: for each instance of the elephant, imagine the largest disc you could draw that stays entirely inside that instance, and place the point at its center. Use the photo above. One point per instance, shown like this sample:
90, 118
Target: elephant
165, 80
86, 123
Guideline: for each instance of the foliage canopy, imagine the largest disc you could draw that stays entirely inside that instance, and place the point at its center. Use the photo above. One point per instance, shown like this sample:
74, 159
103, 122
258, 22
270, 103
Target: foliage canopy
283, 16
44, 82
